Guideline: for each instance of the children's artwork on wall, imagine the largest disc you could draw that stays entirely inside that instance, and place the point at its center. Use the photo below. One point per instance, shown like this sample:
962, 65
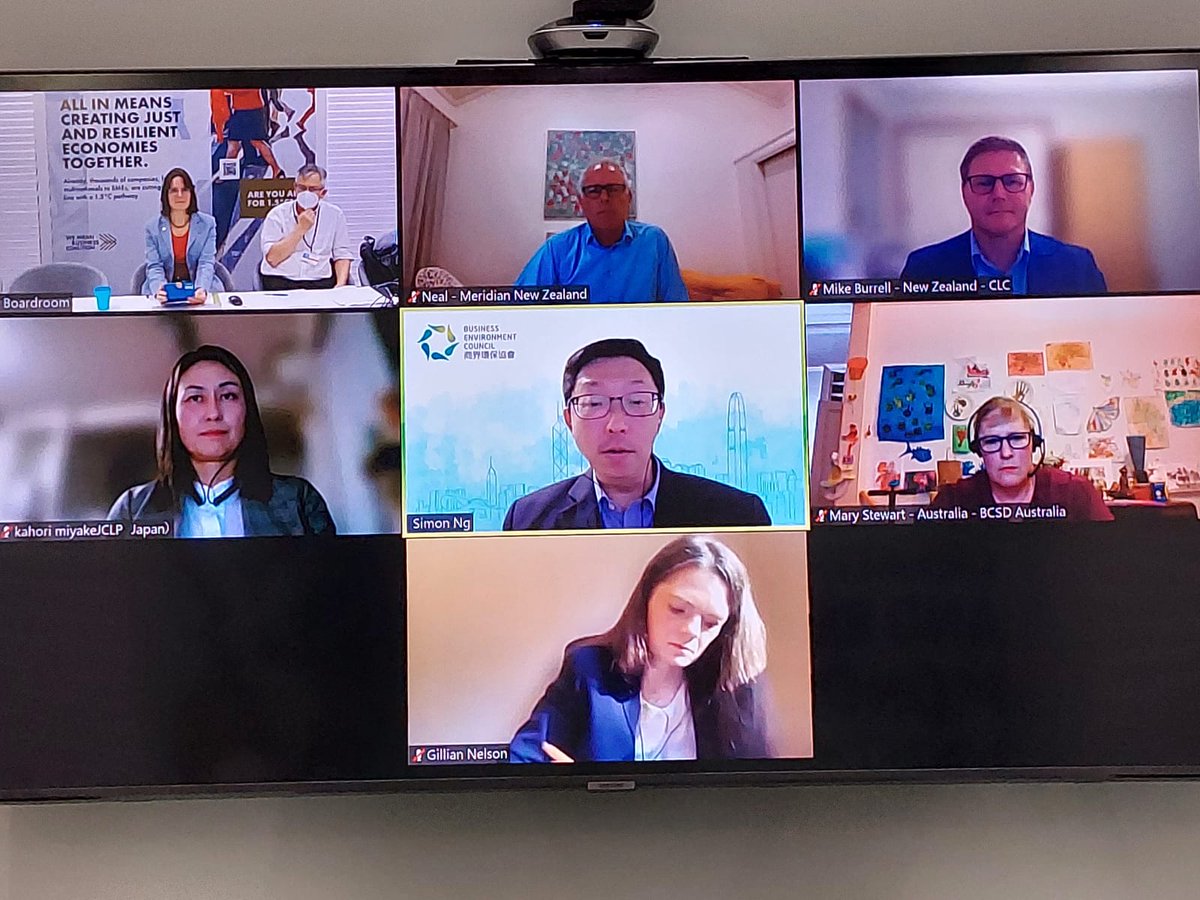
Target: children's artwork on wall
1184, 408
1147, 416
958, 438
1106, 381
960, 406
1069, 356
923, 482
973, 374
1021, 391
1130, 379
911, 403
1068, 414
1103, 448
1104, 415
569, 153
1026, 362
1177, 373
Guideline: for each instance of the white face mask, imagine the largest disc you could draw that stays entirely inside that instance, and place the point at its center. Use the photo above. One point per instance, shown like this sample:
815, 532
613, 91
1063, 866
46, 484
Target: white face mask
307, 199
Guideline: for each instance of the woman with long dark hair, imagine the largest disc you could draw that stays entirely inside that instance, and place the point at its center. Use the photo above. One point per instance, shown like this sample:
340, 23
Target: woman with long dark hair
214, 475
677, 677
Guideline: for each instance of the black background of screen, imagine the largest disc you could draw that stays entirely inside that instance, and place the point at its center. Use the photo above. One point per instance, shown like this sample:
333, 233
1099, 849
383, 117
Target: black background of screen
201, 662
1011, 645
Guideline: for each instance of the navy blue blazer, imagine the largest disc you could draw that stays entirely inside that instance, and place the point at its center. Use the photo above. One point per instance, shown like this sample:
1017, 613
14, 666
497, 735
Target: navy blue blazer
1054, 267
683, 501
295, 507
201, 253
590, 712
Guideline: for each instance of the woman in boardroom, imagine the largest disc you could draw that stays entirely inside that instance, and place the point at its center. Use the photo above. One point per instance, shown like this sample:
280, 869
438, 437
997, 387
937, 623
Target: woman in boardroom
677, 677
214, 477
181, 241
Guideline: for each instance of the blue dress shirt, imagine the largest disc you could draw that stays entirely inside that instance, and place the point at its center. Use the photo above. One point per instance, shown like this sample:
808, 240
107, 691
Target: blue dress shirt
210, 518
639, 268
639, 513
1019, 273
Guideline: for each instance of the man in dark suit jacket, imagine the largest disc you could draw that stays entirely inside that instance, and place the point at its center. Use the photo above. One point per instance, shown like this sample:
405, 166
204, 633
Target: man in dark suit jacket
613, 404
997, 188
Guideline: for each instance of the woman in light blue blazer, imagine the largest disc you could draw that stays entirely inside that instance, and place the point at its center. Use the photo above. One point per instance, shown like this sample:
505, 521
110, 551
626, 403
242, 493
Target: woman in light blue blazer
181, 242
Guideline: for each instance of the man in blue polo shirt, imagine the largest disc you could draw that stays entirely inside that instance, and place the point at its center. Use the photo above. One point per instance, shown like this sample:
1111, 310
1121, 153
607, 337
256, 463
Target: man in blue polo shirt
619, 261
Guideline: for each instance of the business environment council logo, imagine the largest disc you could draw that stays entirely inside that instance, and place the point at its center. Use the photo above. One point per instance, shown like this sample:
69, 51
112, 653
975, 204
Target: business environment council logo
438, 342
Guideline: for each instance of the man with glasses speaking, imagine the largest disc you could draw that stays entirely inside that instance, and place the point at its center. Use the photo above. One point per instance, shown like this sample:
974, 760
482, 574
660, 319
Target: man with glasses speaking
619, 261
997, 188
613, 404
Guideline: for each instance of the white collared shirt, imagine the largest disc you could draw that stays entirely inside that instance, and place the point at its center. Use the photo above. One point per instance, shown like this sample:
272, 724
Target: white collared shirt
665, 732
327, 240
208, 519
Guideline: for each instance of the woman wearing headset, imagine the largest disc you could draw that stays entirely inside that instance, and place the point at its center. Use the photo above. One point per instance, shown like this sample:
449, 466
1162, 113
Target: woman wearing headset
677, 677
1005, 434
214, 477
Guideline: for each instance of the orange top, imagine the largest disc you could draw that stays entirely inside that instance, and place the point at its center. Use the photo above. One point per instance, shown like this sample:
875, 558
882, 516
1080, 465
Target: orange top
179, 251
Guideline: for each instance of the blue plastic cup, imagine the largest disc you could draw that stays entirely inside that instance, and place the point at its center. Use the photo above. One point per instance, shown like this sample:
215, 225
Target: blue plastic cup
103, 296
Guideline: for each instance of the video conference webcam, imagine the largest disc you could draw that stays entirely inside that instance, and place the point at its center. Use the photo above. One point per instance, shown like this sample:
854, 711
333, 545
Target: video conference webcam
598, 29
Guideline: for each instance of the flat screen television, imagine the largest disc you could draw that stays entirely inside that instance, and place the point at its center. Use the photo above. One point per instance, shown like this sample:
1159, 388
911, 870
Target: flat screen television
558, 425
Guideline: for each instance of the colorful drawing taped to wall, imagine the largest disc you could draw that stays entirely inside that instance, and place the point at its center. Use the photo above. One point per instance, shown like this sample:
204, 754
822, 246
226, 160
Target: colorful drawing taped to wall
960, 407
1069, 356
1103, 448
958, 438
923, 482
1131, 379
1148, 417
569, 153
973, 374
1026, 362
1177, 373
1104, 415
1068, 414
911, 403
1184, 408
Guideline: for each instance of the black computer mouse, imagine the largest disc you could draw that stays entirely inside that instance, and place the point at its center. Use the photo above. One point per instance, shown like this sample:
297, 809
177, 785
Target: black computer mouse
235, 300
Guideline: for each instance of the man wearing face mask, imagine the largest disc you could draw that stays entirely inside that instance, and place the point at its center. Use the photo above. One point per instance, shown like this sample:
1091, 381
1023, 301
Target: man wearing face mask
305, 242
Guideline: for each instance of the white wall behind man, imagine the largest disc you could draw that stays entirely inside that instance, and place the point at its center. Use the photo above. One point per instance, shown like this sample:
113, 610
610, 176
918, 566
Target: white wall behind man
1095, 841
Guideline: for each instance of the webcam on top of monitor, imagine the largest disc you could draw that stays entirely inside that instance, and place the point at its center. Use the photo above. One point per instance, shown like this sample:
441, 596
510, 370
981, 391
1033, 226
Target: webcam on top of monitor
598, 29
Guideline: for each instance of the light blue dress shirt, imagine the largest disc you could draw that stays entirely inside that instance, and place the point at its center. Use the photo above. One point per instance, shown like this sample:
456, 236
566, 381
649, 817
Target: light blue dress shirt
639, 514
208, 519
1019, 273
639, 268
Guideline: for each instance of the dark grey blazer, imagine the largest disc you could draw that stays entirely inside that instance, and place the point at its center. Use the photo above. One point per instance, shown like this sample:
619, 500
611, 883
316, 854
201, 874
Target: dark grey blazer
295, 508
684, 501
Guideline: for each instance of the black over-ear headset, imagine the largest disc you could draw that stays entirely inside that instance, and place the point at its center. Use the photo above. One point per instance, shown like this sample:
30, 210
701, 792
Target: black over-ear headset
1036, 441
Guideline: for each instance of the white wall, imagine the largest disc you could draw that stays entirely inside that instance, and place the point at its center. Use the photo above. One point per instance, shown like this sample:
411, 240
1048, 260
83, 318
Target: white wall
688, 137
1031, 841
1101, 842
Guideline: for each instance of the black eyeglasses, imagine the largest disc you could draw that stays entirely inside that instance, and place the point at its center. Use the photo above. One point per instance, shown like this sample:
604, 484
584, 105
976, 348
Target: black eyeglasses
1018, 440
1014, 182
638, 404
593, 191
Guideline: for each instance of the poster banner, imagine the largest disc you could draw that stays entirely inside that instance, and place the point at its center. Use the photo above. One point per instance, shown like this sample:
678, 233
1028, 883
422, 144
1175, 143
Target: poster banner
259, 139
107, 153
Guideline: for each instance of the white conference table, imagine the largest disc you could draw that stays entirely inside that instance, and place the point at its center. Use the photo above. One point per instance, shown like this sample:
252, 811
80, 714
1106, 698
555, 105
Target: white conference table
348, 297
